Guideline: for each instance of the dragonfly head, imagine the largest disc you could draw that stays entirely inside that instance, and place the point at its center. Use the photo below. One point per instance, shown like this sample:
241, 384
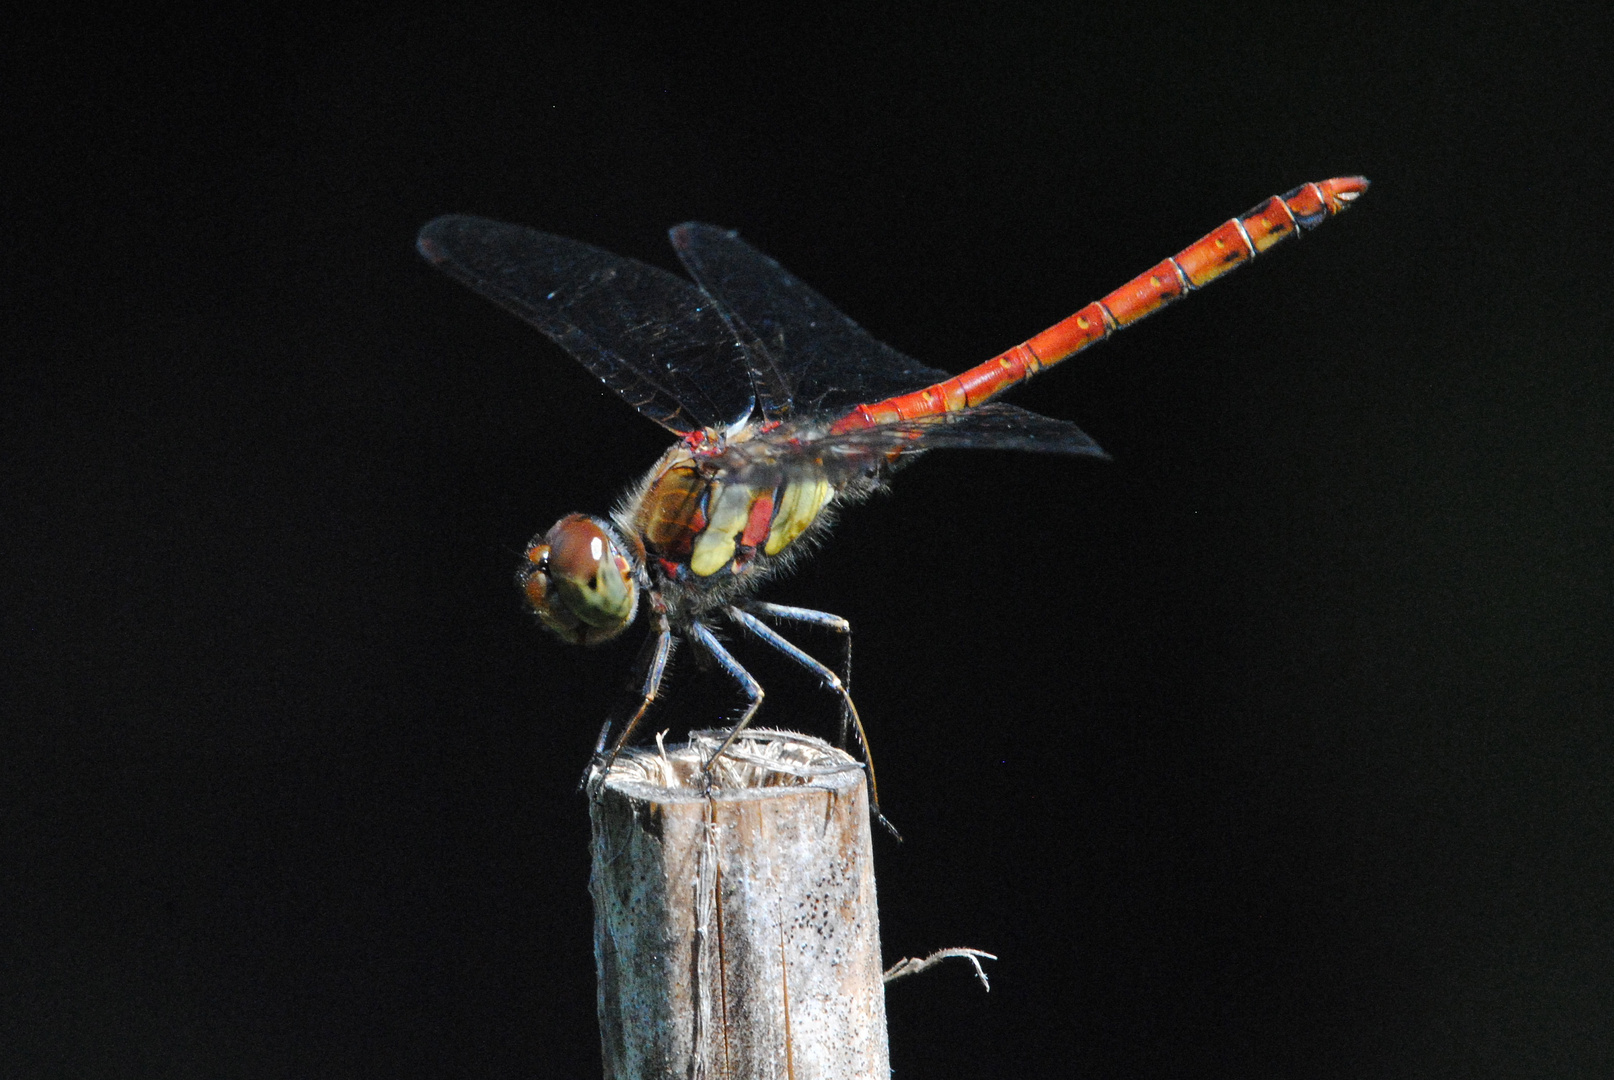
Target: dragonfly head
579, 581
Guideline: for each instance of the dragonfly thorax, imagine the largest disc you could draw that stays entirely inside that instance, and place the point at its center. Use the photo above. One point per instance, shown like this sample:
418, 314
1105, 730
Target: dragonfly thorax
705, 517
580, 580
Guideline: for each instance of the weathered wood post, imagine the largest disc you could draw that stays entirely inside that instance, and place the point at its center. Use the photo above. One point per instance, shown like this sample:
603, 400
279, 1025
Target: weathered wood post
735, 930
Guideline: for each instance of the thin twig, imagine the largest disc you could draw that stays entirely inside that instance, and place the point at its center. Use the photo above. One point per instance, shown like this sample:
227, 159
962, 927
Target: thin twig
911, 966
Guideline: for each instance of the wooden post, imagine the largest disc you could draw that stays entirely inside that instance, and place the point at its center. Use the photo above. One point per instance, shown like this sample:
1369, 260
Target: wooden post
735, 931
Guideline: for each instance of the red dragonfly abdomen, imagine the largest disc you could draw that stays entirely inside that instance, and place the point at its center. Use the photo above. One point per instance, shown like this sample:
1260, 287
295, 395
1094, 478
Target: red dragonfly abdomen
1205, 260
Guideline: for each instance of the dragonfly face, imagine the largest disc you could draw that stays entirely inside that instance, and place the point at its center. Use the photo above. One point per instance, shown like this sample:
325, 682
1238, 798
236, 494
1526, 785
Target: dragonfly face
579, 581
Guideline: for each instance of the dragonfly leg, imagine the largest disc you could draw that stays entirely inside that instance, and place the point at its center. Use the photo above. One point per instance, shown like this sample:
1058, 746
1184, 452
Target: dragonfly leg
829, 622
753, 689
830, 680
645, 683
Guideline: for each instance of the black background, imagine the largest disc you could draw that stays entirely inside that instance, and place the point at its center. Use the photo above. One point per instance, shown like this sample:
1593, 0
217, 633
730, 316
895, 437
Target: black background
1279, 746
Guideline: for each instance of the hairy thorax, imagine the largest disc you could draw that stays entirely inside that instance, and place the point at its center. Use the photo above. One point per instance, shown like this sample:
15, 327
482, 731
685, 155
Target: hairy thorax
719, 514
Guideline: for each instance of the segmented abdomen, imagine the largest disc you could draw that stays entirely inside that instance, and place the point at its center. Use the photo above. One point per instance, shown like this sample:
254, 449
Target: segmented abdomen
1202, 262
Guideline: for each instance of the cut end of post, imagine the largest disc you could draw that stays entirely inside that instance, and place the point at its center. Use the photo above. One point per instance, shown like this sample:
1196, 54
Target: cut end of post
759, 759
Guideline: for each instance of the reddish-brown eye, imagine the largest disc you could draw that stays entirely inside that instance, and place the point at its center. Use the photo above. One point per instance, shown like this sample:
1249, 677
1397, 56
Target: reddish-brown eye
534, 581
577, 548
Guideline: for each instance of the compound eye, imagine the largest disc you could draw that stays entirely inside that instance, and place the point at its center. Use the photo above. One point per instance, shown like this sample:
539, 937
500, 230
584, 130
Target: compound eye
577, 549
534, 582
579, 582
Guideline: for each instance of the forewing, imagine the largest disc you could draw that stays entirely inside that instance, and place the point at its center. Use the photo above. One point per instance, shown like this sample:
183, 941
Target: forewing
993, 426
649, 335
804, 353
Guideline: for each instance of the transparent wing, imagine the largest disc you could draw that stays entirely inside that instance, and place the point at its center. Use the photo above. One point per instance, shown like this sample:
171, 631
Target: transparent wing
649, 335
803, 352
993, 426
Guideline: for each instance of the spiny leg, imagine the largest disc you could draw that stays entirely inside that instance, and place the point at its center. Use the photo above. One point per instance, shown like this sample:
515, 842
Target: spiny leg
829, 622
753, 689
830, 680
648, 668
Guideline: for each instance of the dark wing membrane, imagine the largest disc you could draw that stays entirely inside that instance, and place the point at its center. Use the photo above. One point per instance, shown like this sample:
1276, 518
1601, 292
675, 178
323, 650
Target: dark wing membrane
993, 426
802, 350
649, 335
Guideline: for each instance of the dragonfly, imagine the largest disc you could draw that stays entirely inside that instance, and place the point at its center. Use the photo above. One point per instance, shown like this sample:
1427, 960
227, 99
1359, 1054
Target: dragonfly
785, 412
